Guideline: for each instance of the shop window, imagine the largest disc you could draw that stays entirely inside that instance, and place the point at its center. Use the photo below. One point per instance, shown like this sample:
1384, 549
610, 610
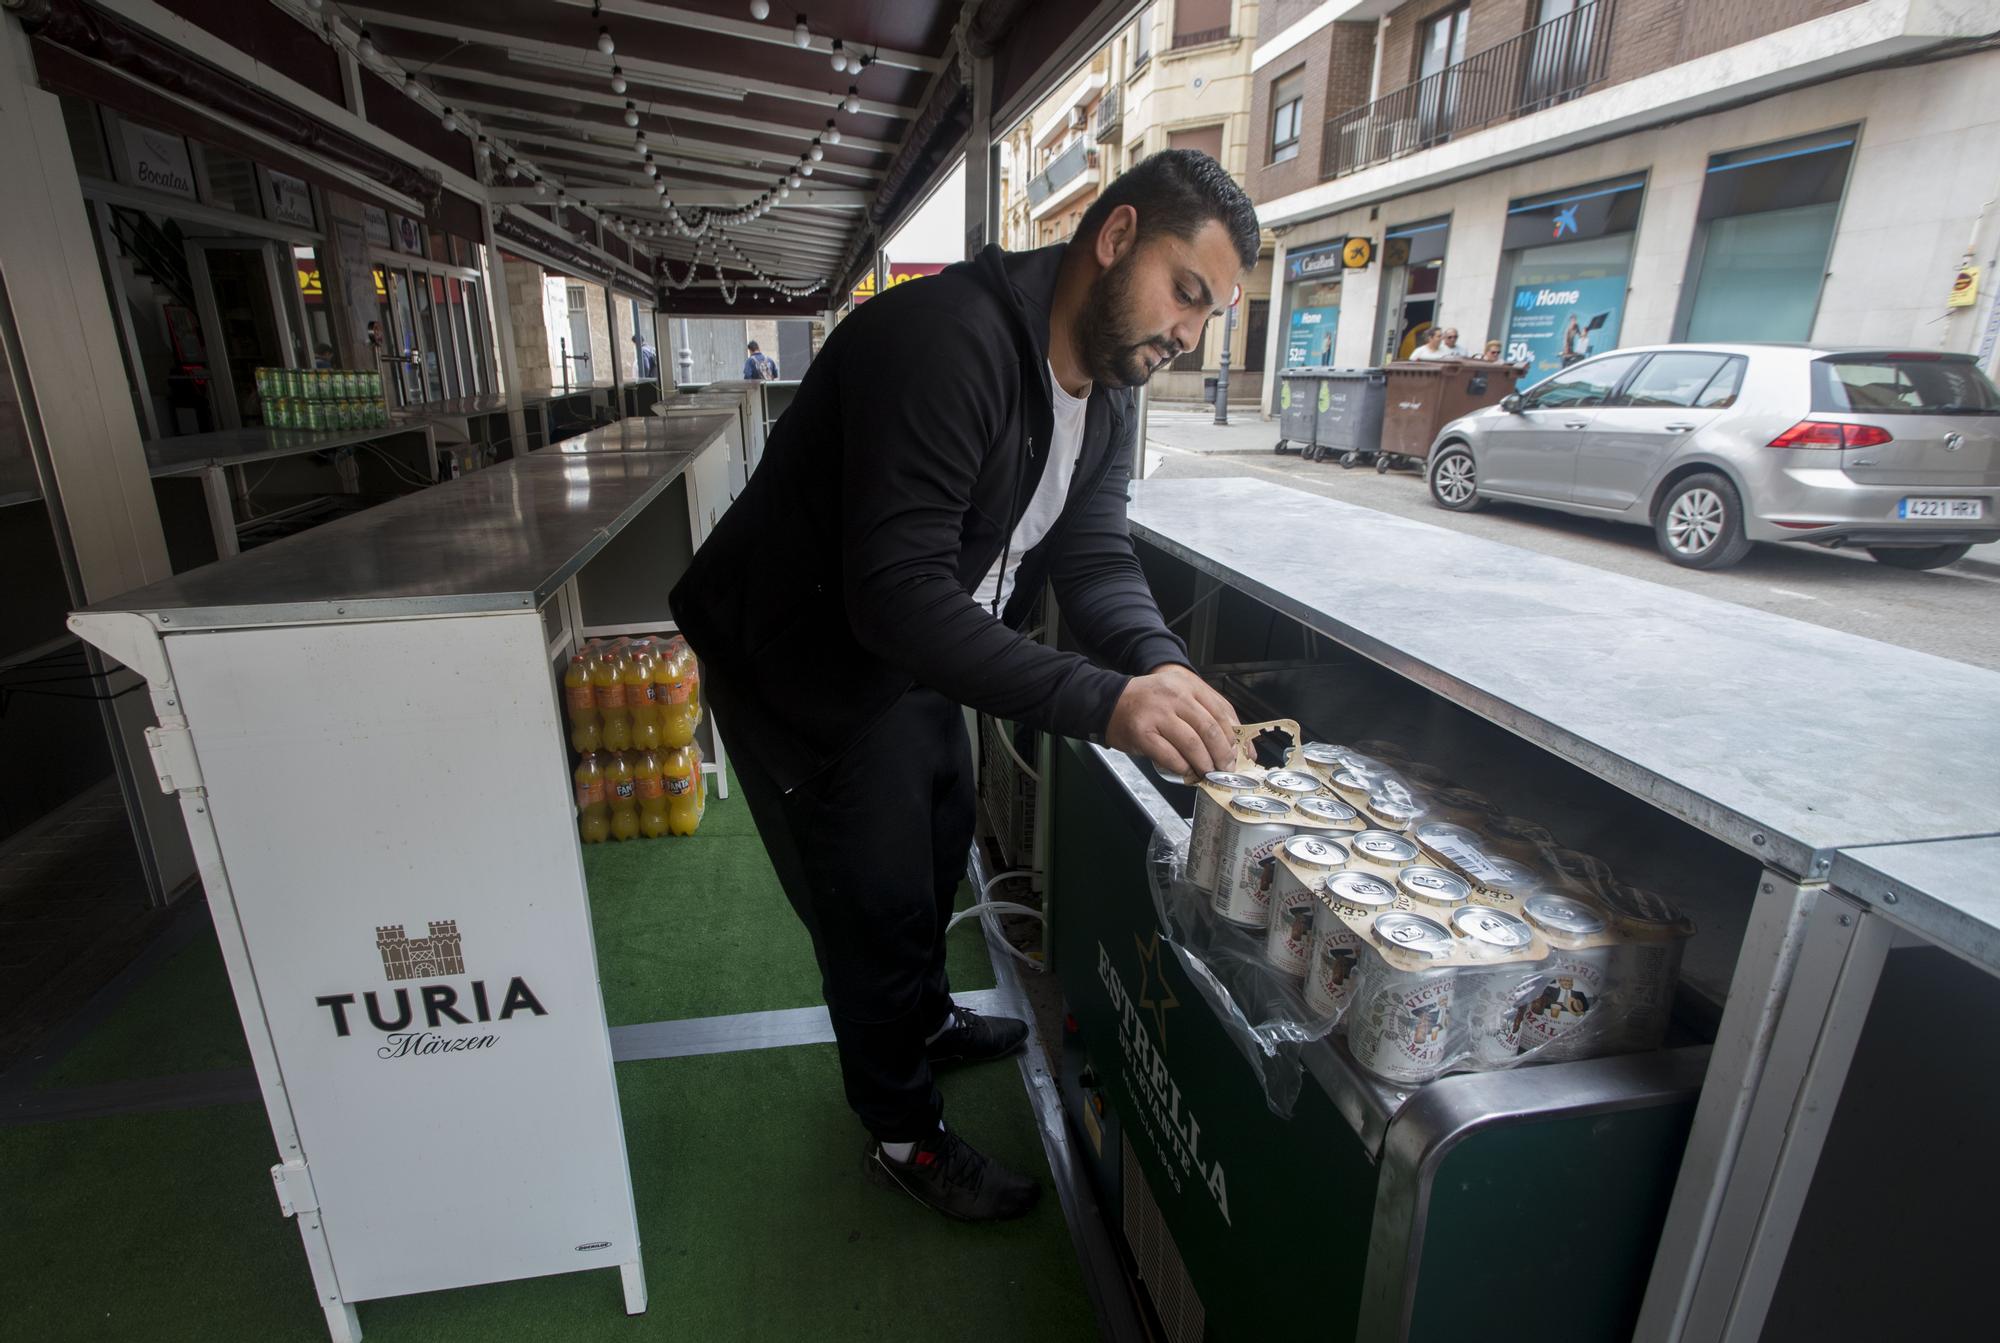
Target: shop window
312, 299
86, 138
1762, 236
1565, 270
1287, 105
1312, 305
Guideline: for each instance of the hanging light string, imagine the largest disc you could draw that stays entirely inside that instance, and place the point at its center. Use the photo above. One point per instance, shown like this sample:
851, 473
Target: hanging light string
498, 158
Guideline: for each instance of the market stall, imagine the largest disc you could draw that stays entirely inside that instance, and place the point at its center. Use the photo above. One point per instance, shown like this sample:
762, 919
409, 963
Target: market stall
1675, 741
362, 726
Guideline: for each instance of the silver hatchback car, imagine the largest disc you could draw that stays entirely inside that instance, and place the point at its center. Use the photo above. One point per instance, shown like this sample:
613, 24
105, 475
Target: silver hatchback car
1719, 446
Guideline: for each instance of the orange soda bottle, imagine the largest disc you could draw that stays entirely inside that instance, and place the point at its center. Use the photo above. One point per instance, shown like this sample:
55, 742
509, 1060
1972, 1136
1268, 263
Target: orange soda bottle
623, 791
593, 819
609, 688
580, 700
680, 771
637, 674
681, 714
651, 788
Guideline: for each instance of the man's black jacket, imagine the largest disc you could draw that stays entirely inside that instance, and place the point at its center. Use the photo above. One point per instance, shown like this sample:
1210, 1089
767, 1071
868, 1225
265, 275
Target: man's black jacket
888, 489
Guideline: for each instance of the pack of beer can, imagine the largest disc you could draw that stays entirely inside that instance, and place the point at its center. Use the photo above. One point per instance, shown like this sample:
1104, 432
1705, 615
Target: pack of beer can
1441, 933
321, 398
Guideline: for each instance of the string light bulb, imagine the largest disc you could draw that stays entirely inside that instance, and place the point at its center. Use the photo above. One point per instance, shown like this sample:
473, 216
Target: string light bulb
801, 35
840, 56
449, 120
618, 84
817, 152
792, 181
604, 42
365, 48
852, 102
631, 113
760, 10
832, 132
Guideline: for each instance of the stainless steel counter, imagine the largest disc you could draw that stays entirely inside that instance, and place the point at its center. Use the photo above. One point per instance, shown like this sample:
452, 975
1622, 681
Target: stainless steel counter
500, 539
1784, 739
1946, 891
646, 433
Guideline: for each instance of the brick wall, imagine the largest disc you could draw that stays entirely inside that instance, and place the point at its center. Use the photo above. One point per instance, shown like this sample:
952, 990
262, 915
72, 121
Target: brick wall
1336, 62
1274, 16
1491, 22
525, 300
1652, 35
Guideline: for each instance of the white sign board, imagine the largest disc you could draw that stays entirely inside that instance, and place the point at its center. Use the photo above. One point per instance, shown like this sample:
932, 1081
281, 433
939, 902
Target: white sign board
158, 161
377, 220
287, 199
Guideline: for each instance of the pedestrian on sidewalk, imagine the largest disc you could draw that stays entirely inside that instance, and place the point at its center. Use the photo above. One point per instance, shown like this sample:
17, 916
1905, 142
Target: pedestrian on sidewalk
1432, 348
956, 445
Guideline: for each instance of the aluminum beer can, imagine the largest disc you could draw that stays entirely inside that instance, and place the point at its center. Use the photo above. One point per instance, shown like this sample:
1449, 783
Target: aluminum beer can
1402, 1024
1387, 811
1645, 966
1324, 755
1288, 940
1290, 784
1209, 817
1432, 890
1566, 1019
1246, 859
1330, 811
1493, 995
1336, 948
1380, 853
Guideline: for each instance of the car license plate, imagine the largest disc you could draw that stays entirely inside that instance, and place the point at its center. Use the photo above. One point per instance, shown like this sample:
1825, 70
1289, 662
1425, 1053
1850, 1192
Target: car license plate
1948, 510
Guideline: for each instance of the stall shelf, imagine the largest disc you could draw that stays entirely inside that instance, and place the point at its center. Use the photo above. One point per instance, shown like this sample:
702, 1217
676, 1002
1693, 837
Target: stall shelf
363, 730
1697, 733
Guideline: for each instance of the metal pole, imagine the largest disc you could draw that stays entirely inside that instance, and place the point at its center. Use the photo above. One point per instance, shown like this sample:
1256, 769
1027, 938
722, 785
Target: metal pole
1222, 368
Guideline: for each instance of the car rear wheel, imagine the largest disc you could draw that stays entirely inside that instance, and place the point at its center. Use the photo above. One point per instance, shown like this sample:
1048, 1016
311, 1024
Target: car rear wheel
1918, 557
1454, 480
1700, 523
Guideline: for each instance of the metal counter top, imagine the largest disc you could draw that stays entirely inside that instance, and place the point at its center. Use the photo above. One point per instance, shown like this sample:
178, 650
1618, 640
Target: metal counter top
191, 454
647, 433
1786, 740
501, 539
1946, 891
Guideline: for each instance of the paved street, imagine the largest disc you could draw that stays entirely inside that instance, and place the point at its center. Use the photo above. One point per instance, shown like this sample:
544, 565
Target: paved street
1953, 613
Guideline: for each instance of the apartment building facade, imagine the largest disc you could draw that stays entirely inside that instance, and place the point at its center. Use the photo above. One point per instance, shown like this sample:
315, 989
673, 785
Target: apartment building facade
1566, 177
1177, 76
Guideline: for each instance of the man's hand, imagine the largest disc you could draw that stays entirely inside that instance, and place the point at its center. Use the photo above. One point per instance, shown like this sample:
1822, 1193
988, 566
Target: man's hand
1174, 719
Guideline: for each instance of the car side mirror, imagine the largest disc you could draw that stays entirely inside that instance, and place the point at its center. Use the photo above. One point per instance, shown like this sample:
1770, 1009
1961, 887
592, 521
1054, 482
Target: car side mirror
1511, 403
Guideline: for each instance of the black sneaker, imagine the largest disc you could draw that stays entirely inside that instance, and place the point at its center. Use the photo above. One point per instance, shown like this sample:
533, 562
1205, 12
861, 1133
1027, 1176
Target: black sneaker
947, 1174
971, 1038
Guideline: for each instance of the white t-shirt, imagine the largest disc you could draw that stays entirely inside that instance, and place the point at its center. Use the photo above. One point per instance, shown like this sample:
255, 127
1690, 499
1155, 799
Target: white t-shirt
1046, 505
1425, 354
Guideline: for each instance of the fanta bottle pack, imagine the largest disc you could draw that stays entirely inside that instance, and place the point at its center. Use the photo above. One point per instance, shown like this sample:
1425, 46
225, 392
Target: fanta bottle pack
632, 707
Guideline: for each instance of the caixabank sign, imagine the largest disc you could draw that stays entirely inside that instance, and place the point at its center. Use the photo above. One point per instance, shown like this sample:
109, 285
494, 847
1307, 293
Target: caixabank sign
1271, 1216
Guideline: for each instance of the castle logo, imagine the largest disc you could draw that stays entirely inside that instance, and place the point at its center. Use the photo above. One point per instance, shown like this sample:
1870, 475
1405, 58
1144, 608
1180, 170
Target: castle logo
423, 958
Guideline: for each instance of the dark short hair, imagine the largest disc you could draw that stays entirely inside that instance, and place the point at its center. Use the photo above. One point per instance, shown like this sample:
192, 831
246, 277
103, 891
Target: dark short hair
1178, 191
753, 344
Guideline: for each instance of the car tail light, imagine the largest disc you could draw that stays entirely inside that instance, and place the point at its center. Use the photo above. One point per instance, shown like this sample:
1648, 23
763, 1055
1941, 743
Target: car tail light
1831, 434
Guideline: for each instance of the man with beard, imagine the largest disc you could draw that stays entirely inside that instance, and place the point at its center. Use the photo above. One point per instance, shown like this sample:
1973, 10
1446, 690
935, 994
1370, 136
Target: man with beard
960, 442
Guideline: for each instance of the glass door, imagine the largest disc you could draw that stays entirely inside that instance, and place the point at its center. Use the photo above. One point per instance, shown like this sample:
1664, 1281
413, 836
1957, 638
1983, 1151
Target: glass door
433, 373
404, 349
240, 300
1437, 94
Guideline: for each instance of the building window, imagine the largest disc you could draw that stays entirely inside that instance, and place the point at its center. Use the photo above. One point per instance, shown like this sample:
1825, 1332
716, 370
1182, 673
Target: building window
1287, 104
1197, 22
1762, 235
1438, 55
1142, 38
1565, 269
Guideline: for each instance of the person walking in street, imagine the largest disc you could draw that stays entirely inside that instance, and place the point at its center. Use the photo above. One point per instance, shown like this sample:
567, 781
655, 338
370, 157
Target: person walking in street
645, 358
956, 446
1491, 354
1451, 348
759, 367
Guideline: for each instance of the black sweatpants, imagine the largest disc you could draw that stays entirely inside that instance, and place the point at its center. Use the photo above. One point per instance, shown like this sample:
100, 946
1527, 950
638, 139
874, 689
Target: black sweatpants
871, 853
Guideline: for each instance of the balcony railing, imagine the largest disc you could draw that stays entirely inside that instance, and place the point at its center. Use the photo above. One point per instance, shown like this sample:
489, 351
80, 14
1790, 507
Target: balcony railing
1060, 173
1110, 116
1548, 64
1201, 37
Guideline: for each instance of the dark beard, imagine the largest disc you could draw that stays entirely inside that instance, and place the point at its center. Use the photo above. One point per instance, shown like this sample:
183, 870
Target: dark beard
1113, 354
